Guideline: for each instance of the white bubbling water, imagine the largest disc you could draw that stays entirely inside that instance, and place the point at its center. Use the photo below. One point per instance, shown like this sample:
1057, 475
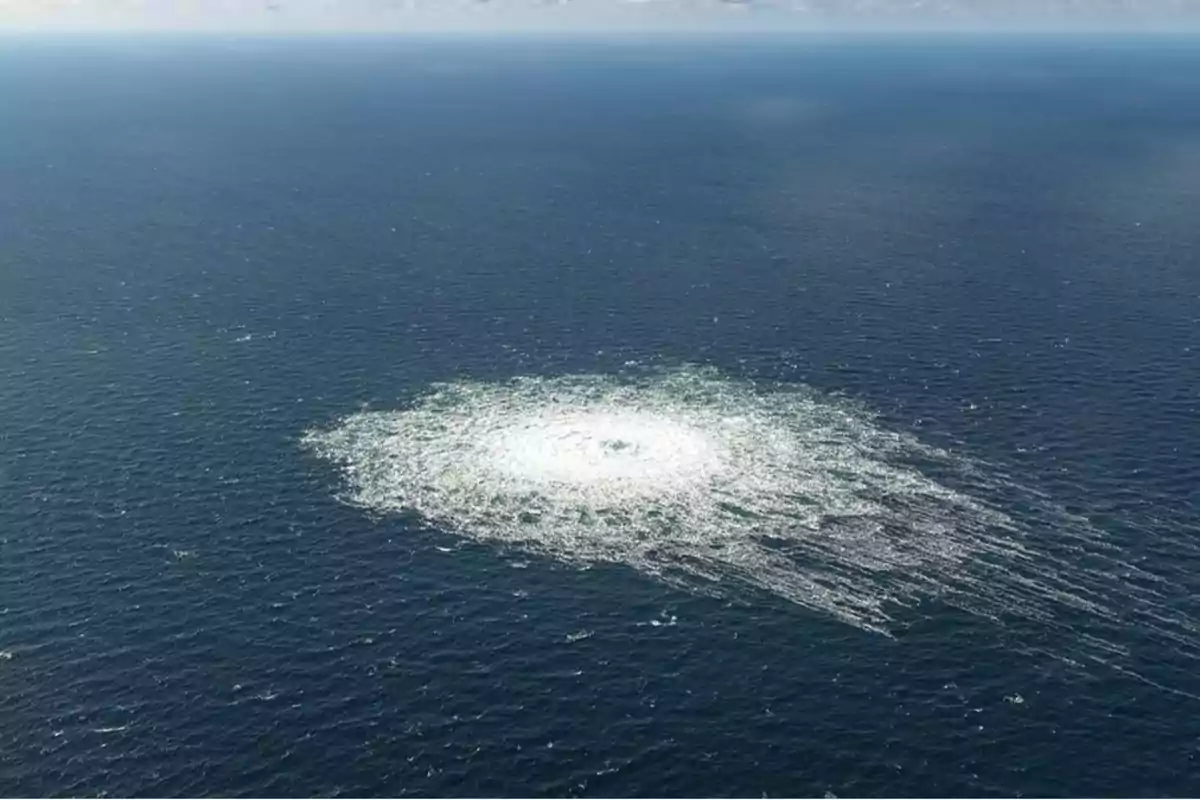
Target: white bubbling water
620, 450
712, 484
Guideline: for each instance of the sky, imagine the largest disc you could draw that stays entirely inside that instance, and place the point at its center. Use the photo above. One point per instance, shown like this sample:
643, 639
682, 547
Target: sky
588, 15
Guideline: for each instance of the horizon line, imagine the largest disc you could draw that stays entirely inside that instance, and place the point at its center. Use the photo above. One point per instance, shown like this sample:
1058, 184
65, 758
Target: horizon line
1153, 28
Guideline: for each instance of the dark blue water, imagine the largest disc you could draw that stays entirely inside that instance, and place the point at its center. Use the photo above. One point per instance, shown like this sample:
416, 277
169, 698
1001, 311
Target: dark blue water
208, 248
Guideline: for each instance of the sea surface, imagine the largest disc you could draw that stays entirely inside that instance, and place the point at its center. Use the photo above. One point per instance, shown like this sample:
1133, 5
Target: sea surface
210, 248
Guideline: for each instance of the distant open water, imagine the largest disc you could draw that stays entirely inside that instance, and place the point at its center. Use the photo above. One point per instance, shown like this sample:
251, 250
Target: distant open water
209, 248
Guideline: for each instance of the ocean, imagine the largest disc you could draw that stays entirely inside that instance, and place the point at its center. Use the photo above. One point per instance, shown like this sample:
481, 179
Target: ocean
312, 352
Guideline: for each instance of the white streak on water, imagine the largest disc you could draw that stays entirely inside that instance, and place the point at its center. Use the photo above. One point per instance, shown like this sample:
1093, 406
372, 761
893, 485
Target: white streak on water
713, 484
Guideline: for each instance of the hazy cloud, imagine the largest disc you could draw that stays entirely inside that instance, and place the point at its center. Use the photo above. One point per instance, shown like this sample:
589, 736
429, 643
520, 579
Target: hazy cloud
285, 15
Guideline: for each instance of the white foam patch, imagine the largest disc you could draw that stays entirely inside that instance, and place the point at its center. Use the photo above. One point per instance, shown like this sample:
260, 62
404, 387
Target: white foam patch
715, 484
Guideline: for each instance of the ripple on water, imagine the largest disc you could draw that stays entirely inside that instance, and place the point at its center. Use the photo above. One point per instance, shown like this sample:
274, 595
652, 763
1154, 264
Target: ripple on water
714, 484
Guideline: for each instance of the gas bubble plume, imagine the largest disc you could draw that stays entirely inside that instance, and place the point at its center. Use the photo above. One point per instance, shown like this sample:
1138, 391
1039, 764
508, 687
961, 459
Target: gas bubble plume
720, 485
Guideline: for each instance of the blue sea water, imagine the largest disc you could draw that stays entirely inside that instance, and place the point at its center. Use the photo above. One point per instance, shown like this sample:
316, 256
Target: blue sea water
210, 247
